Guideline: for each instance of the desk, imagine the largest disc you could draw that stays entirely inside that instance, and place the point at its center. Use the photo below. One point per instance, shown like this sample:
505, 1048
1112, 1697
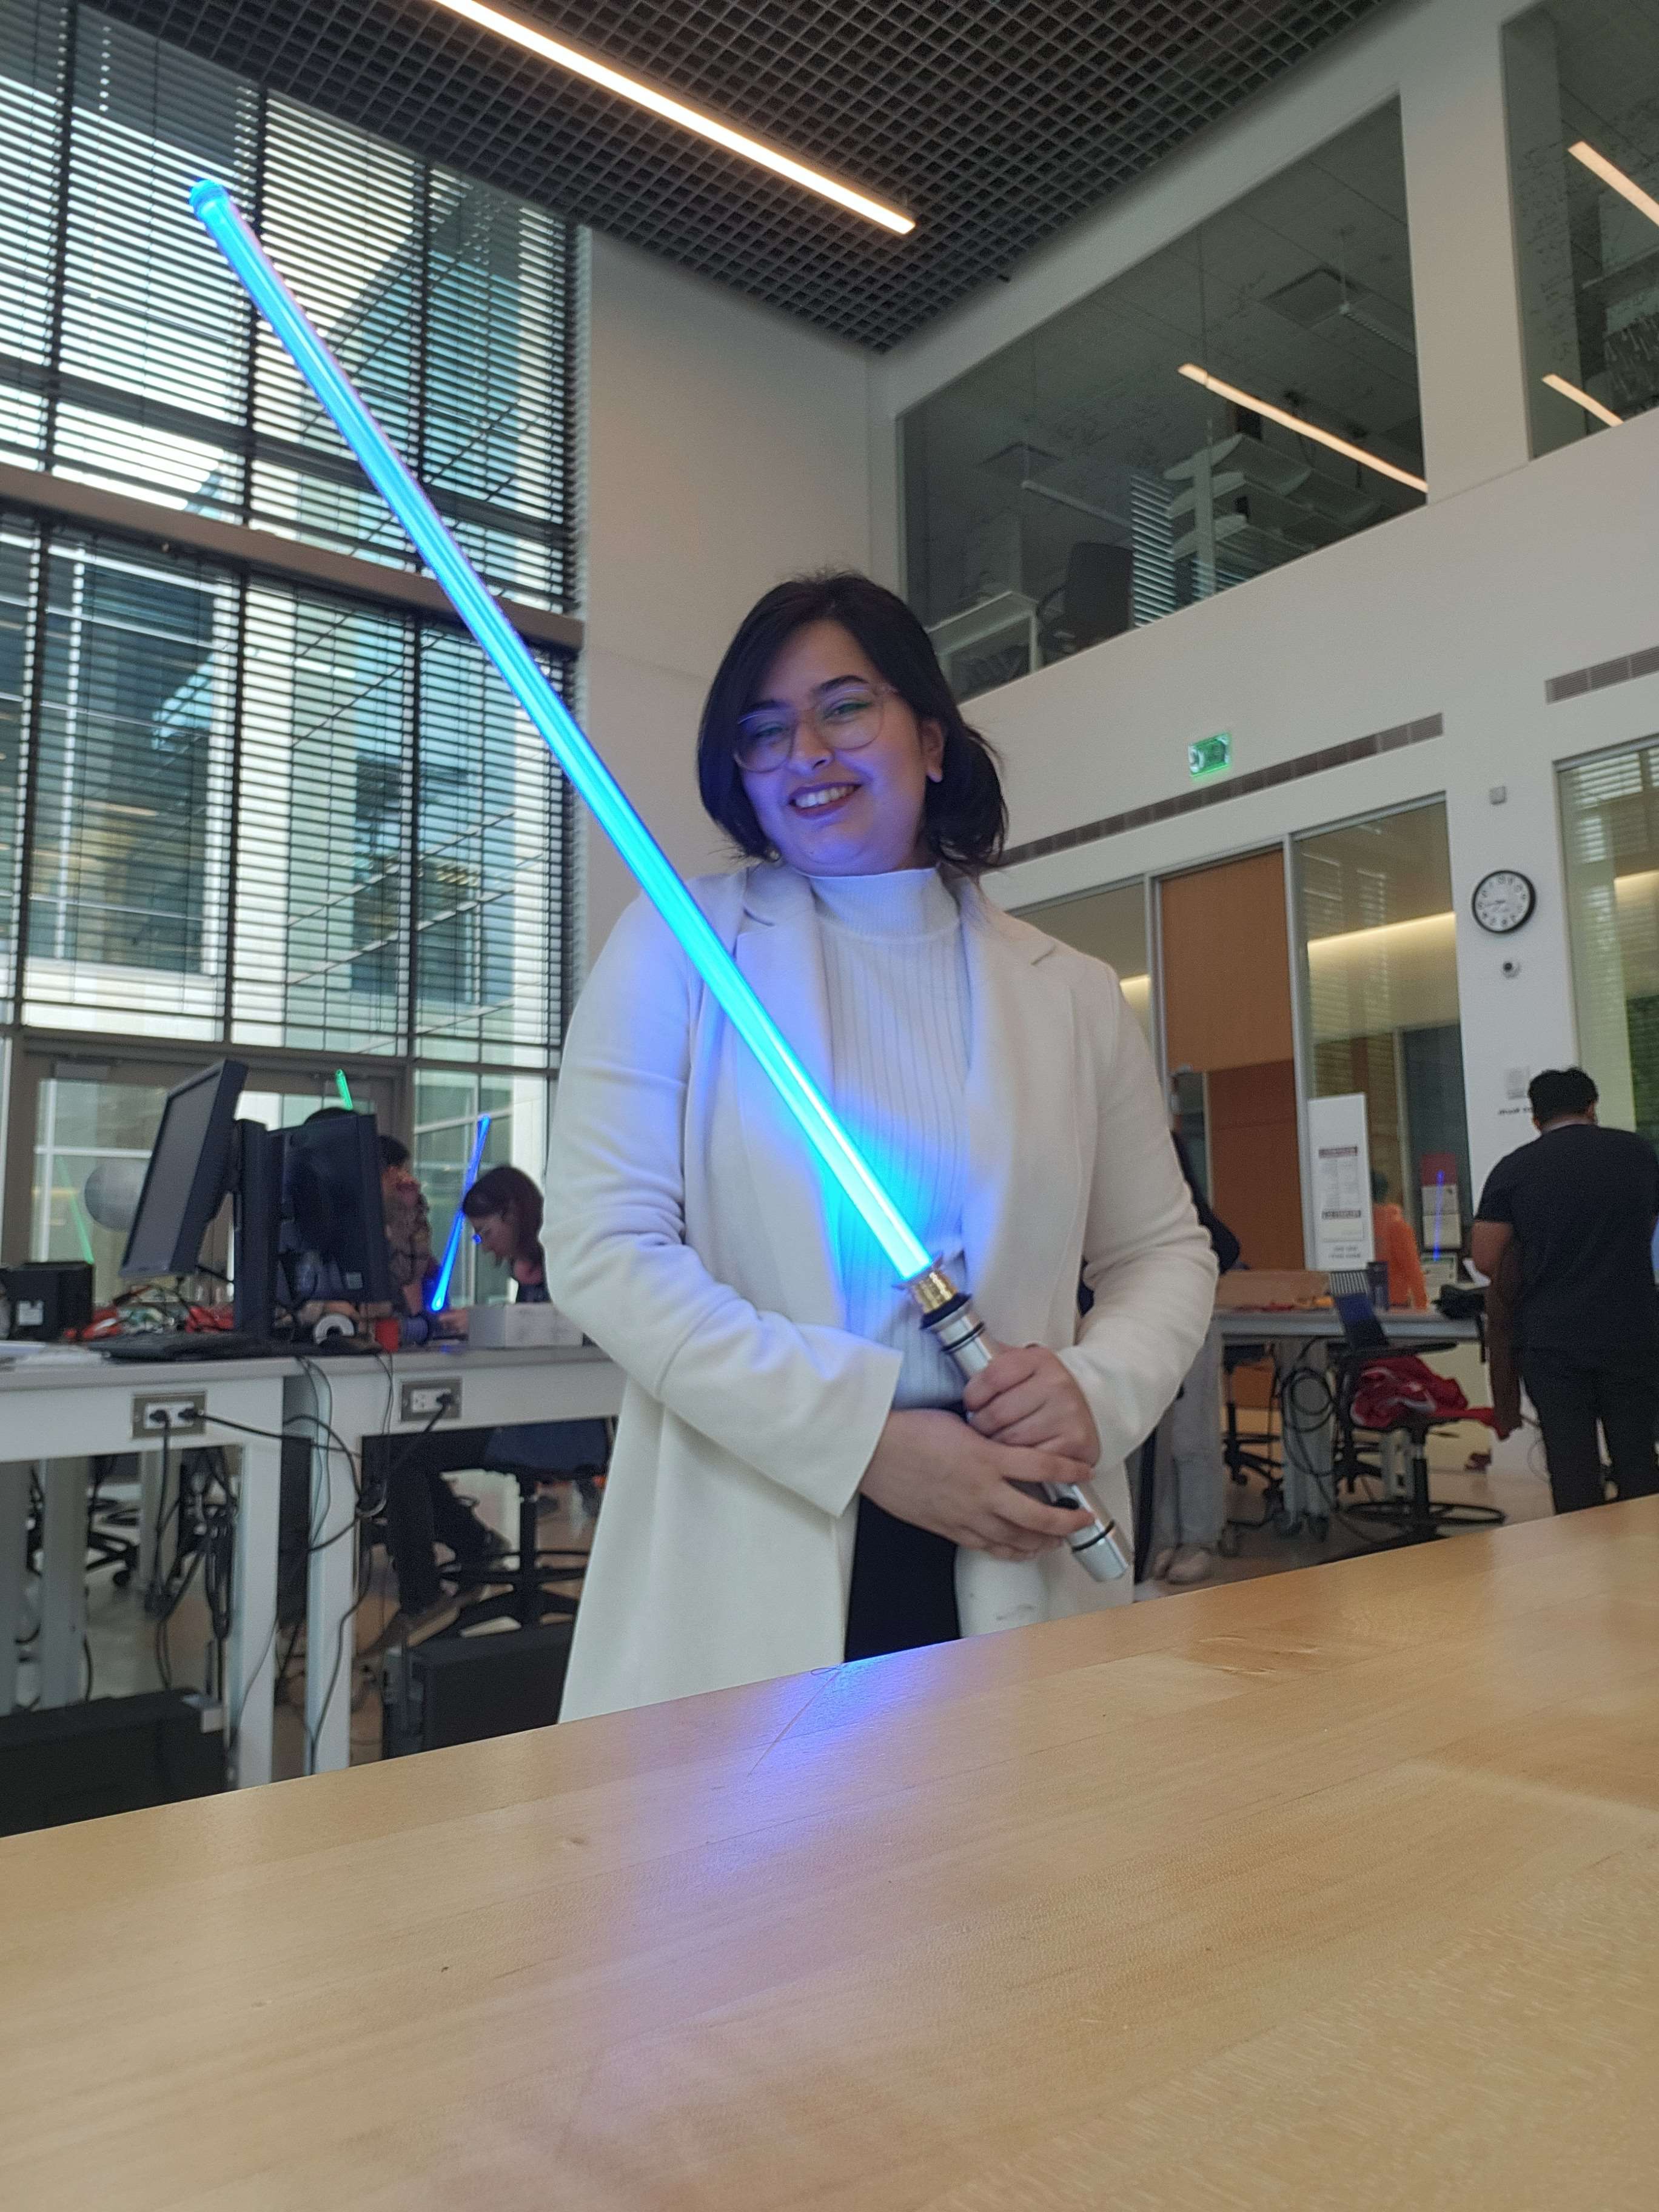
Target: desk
1299, 1337
71, 1407
360, 1397
1000, 1927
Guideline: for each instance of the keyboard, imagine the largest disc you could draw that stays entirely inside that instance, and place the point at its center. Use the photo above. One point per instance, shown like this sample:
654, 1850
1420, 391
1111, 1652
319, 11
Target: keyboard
155, 1347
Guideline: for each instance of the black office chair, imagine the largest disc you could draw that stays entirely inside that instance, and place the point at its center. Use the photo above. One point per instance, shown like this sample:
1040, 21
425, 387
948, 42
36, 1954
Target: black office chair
1244, 1460
1095, 601
1417, 1518
105, 1546
530, 1584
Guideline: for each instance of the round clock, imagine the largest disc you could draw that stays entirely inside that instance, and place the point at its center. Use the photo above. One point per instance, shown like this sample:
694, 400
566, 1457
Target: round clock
1502, 901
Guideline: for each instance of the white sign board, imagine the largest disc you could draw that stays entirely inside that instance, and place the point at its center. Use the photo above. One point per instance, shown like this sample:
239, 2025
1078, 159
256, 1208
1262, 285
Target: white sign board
1340, 1145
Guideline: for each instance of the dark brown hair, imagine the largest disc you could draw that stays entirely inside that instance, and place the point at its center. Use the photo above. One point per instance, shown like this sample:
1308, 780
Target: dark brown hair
510, 1193
964, 818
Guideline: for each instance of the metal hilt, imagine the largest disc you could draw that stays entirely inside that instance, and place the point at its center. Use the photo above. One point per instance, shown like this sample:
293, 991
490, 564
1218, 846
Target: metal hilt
948, 1315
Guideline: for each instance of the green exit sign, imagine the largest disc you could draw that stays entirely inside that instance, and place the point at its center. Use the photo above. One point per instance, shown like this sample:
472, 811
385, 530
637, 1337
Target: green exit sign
1210, 756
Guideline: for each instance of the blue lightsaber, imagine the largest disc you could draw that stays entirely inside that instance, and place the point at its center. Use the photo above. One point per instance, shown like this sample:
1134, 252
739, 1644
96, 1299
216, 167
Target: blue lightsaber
440, 1298
945, 1310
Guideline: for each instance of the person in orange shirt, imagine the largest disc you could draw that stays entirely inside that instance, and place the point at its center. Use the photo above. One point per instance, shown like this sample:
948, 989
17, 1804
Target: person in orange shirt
1397, 1245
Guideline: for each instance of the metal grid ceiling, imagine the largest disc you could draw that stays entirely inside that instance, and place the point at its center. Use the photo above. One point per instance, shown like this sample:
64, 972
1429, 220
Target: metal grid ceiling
993, 125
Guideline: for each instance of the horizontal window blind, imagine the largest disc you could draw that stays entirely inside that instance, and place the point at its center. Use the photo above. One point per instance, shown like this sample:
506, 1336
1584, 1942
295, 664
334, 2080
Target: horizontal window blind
233, 810
270, 817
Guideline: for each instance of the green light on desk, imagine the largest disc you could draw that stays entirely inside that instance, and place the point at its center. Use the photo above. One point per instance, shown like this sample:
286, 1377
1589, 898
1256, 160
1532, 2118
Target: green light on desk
1210, 756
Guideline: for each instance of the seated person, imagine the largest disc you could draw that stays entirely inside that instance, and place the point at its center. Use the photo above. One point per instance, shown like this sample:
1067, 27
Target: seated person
504, 1209
1397, 1246
421, 1510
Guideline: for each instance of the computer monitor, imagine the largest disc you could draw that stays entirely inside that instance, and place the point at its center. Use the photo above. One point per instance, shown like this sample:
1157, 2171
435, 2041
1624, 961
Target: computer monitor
332, 1202
190, 1174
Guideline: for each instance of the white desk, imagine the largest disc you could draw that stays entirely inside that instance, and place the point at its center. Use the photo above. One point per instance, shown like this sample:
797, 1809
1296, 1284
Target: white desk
361, 1397
1296, 1338
62, 1409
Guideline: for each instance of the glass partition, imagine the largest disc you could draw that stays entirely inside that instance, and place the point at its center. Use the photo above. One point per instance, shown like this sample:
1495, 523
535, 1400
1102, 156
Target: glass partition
1582, 88
1378, 936
1243, 397
1111, 924
1610, 830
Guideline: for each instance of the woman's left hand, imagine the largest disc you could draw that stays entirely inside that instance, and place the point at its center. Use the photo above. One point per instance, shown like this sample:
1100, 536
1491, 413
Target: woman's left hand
1028, 1396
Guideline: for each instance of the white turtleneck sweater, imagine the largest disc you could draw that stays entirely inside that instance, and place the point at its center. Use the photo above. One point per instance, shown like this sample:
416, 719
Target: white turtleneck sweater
895, 974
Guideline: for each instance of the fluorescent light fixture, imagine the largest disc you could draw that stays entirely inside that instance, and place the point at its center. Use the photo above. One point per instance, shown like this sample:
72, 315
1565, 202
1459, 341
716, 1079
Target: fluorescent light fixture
1626, 187
1303, 429
1582, 399
468, 594
566, 56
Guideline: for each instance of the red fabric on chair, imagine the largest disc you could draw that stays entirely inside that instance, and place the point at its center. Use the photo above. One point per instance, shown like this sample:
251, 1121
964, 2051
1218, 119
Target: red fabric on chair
1397, 1392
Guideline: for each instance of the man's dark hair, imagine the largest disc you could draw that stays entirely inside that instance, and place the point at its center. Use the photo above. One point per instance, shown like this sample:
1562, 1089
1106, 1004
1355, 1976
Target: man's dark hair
965, 817
394, 1153
1561, 1091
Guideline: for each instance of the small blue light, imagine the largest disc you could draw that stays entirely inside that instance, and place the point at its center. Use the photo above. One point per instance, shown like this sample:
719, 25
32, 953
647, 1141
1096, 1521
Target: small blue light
470, 596
440, 1298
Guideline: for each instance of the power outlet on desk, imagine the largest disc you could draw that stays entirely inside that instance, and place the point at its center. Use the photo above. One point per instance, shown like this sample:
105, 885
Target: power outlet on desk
431, 1402
157, 1413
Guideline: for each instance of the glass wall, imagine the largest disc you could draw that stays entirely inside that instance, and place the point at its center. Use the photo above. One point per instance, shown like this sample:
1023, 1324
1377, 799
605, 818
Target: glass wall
1610, 828
1111, 924
1582, 87
1378, 943
1169, 435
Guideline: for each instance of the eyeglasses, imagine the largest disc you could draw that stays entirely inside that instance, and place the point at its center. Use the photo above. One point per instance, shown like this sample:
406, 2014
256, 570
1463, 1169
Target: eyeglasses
846, 722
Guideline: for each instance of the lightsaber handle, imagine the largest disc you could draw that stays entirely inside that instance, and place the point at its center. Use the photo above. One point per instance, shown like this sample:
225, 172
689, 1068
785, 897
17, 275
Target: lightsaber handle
958, 1329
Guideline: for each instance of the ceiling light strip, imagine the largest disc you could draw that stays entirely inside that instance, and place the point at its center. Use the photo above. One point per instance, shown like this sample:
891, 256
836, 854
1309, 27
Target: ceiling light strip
1582, 399
1303, 429
673, 110
1599, 166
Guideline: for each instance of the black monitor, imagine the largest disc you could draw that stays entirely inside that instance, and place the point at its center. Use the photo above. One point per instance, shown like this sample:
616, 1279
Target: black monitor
189, 1175
333, 1205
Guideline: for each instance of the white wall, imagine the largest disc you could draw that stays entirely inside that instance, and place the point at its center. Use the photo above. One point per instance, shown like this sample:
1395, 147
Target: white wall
1516, 570
727, 447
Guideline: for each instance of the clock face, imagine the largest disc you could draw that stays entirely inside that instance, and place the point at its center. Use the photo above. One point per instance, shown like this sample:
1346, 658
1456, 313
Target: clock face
1502, 901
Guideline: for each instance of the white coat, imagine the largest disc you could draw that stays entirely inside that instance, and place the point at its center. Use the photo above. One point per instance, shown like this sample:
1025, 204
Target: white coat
686, 1232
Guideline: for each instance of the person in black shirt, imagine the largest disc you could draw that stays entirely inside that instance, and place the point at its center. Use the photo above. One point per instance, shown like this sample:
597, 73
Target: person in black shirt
1580, 1202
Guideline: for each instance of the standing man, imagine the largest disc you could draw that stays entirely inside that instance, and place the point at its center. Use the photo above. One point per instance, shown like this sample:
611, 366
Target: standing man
1580, 1202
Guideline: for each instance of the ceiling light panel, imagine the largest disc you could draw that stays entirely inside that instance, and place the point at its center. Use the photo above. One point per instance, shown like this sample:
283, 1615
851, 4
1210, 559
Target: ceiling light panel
993, 127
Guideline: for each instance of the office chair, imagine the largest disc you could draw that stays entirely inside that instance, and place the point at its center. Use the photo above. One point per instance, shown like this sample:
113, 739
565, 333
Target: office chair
105, 1547
1244, 1460
1416, 1518
1093, 603
532, 1576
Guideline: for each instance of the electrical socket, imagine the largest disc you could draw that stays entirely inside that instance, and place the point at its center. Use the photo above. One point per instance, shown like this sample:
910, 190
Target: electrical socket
156, 1413
430, 1400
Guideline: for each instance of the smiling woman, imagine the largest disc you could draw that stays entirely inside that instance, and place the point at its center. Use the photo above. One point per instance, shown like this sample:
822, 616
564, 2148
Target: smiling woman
793, 1481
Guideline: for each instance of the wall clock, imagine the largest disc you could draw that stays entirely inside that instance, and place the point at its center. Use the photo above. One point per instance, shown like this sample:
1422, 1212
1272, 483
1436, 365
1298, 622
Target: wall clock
1502, 901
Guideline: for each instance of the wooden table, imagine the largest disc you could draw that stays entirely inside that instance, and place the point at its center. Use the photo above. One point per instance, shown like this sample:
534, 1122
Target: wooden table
1338, 1888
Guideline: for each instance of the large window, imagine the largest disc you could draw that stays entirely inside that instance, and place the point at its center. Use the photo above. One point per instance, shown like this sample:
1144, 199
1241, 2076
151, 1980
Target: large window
1610, 828
307, 825
1111, 925
1581, 83
1379, 965
1097, 475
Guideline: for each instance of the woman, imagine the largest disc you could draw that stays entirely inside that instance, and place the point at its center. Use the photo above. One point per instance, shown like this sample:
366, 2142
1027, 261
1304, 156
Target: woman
789, 1485
505, 1210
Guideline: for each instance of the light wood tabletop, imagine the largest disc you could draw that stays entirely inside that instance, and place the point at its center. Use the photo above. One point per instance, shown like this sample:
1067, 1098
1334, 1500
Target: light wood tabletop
1336, 1888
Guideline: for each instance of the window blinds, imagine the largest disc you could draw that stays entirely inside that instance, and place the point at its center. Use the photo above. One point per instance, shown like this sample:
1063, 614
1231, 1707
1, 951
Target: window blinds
247, 811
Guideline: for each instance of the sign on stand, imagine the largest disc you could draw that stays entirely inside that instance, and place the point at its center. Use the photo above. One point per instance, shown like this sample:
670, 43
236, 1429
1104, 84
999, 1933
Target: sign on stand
1340, 1145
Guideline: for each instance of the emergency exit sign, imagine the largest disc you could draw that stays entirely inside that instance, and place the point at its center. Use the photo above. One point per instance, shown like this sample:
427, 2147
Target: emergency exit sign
1210, 756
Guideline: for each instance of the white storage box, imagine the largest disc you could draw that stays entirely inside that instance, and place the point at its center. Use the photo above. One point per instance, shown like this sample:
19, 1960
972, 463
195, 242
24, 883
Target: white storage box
517, 1327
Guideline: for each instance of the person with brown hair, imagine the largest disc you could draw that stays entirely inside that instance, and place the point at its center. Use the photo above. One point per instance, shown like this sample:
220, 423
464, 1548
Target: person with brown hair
504, 1208
793, 1481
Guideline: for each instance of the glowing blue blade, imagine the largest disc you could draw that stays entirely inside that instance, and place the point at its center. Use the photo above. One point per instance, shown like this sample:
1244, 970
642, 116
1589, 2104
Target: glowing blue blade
471, 599
440, 1298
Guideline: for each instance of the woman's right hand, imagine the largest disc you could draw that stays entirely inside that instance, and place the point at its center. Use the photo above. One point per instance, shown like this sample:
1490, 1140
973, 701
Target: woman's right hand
930, 1468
